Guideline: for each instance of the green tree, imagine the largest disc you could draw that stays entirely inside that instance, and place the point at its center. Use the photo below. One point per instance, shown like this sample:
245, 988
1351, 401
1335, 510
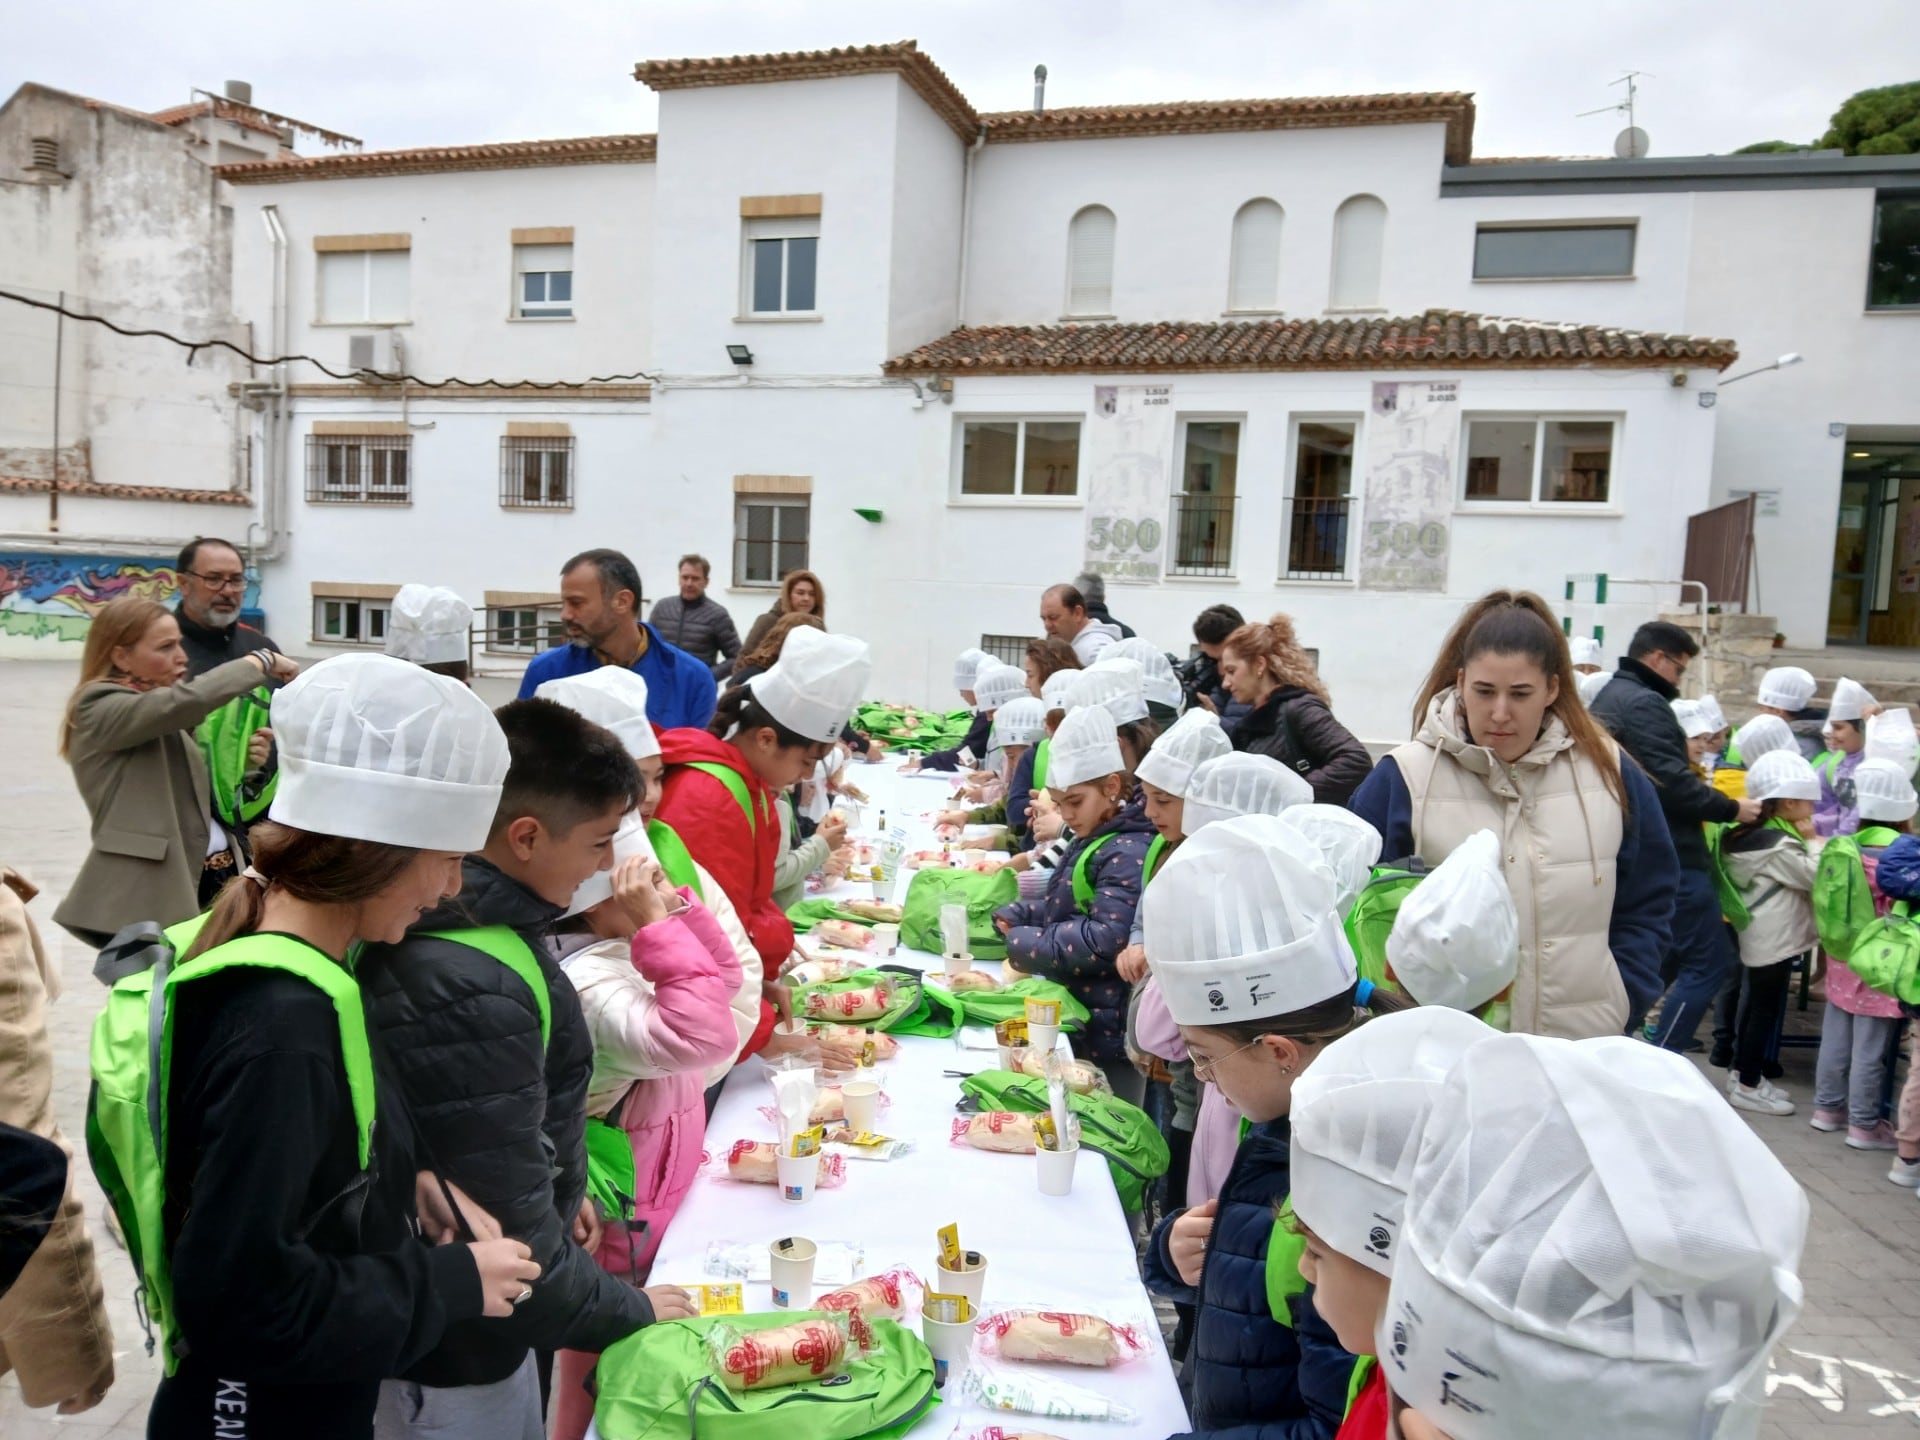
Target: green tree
1772, 147
1877, 122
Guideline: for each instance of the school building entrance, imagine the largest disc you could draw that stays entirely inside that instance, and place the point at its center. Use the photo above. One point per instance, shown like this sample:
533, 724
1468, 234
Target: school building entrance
1876, 551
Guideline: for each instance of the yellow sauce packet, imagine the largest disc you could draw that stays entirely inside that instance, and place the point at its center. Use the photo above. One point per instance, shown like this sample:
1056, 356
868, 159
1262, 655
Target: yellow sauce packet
948, 1309
1011, 1032
807, 1142
950, 1245
1044, 1133
717, 1299
1042, 1012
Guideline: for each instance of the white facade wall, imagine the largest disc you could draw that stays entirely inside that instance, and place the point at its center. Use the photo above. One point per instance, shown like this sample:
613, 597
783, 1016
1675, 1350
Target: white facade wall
929, 166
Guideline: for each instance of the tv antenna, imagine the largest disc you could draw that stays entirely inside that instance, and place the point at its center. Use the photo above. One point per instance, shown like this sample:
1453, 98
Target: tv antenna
1631, 143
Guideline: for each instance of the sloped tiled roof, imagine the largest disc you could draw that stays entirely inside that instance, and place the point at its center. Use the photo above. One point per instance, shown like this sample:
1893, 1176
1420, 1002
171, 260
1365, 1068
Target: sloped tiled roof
239, 114
1440, 339
507, 155
93, 489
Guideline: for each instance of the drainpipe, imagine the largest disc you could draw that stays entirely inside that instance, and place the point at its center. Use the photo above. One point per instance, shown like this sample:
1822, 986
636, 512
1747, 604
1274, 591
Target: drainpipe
966, 228
59, 353
273, 468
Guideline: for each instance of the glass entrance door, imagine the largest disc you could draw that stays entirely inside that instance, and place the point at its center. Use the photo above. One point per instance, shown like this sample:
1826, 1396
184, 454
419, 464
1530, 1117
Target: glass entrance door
1875, 598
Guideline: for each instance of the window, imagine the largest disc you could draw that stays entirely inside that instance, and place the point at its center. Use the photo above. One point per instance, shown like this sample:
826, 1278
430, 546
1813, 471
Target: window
358, 468
1359, 236
769, 537
1893, 276
1090, 263
524, 629
1036, 458
1254, 282
543, 282
536, 472
1007, 649
1203, 507
363, 287
782, 259
1553, 252
1539, 461
1322, 499
342, 621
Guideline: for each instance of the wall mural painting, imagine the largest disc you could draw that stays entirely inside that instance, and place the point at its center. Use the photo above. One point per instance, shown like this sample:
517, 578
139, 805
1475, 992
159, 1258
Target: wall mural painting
58, 595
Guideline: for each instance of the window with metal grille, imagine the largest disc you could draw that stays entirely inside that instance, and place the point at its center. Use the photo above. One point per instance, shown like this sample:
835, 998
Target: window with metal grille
341, 621
1203, 507
524, 629
1322, 500
1007, 649
536, 474
359, 469
769, 537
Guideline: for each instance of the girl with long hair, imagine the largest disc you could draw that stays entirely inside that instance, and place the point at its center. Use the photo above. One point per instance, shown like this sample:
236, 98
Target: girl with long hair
1291, 719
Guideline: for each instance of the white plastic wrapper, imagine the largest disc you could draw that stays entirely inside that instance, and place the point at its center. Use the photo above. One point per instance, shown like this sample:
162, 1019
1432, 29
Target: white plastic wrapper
837, 1262
1031, 1392
794, 1094
953, 929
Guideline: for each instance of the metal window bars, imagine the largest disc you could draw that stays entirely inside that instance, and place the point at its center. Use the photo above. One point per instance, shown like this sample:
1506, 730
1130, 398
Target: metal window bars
359, 469
536, 473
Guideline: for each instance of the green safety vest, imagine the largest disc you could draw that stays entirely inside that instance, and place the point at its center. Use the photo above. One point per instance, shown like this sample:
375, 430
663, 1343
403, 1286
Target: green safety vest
1041, 752
223, 738
1082, 886
1155, 848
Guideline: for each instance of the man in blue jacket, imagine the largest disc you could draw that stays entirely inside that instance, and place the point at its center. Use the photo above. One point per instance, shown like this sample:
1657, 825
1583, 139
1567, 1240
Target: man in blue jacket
600, 605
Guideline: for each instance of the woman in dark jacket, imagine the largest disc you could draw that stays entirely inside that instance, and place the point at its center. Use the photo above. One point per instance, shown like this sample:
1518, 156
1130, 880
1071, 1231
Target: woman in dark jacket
801, 593
1264, 667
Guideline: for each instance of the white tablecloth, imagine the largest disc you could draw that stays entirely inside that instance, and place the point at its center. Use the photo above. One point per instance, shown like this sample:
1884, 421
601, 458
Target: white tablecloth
1071, 1252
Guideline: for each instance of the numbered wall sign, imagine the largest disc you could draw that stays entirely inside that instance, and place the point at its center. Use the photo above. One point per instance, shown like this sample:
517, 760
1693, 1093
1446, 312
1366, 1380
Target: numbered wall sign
1413, 432
1129, 459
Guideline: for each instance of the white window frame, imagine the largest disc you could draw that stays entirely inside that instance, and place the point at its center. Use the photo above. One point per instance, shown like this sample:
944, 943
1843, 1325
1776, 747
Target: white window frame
1076, 501
367, 317
1235, 259
1290, 489
1178, 489
1534, 505
373, 616
541, 310
543, 620
745, 500
366, 465
1336, 304
1630, 224
1113, 251
789, 227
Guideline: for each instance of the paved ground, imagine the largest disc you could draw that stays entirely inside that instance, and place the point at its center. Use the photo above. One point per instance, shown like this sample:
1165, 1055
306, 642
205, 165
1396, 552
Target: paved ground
1853, 1360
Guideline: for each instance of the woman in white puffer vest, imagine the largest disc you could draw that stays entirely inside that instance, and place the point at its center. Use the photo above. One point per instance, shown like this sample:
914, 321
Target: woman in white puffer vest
1502, 743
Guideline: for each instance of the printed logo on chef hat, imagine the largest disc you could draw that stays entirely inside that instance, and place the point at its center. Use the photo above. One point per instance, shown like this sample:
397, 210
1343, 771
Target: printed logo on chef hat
612, 697
816, 683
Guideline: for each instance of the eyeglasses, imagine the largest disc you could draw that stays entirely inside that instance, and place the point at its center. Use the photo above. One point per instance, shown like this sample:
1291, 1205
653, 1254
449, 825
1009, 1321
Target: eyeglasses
219, 582
1206, 1068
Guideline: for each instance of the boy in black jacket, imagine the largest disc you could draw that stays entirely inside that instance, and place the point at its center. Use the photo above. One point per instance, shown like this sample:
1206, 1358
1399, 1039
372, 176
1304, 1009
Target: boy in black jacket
502, 1113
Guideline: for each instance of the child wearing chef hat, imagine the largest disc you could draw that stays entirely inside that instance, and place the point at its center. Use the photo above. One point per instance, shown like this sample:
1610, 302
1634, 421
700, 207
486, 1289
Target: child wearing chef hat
1846, 736
1244, 937
1594, 1247
1358, 1115
432, 627
1119, 686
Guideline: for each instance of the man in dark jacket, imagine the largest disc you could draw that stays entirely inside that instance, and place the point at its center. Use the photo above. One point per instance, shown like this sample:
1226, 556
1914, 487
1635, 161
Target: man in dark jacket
1211, 627
1637, 706
498, 1112
691, 622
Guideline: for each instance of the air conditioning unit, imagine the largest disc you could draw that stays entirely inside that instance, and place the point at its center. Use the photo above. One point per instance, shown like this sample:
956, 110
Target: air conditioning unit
372, 352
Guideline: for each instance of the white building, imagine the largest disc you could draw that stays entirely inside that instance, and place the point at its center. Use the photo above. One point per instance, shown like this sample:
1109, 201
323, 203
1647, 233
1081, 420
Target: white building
980, 342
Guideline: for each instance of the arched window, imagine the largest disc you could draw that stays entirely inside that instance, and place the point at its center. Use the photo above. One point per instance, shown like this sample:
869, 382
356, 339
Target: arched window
1359, 235
1254, 279
1090, 262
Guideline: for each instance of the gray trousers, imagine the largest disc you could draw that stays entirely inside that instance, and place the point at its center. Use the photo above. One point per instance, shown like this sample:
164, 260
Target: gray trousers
1852, 1069
508, 1409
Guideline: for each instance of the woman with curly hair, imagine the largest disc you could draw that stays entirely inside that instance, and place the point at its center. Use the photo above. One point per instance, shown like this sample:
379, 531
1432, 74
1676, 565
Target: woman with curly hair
801, 593
1263, 666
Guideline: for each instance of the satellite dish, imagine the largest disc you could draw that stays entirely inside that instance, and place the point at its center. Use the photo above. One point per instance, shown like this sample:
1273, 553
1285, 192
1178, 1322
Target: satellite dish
1631, 144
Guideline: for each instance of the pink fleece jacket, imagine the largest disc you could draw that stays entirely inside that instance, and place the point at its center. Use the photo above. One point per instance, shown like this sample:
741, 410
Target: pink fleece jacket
1216, 1130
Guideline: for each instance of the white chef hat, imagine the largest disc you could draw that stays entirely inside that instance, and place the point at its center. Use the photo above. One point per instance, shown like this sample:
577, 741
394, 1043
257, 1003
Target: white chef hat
429, 625
373, 748
1890, 736
815, 684
1762, 735
1850, 700
1710, 707
1085, 747
1116, 685
1782, 775
1590, 686
1883, 791
1786, 687
1693, 720
1357, 1117
1193, 739
1162, 686
1456, 938
1350, 845
613, 698
967, 666
995, 684
1586, 650
1054, 689
1018, 722
1240, 925
1595, 1246
629, 840
1241, 783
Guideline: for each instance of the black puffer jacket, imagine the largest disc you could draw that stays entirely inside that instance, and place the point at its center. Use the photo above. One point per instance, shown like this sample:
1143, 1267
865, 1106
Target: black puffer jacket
1637, 706
1295, 727
499, 1119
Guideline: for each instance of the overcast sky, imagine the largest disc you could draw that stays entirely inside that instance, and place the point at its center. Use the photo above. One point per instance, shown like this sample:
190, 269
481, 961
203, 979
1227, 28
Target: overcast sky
410, 72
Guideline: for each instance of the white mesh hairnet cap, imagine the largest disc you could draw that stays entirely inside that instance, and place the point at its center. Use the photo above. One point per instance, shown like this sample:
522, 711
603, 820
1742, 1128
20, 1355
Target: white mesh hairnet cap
996, 684
613, 698
1018, 722
1085, 747
1191, 741
428, 624
1241, 784
1762, 735
1350, 846
1586, 650
1710, 707
1053, 690
1162, 686
1239, 925
372, 748
1786, 687
629, 840
1883, 791
1456, 938
1782, 775
1596, 1246
968, 666
1115, 685
1850, 700
815, 684
1357, 1117
1693, 720
1890, 736
1590, 686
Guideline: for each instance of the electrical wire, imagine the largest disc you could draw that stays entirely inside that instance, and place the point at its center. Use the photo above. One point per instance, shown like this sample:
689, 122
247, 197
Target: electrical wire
194, 347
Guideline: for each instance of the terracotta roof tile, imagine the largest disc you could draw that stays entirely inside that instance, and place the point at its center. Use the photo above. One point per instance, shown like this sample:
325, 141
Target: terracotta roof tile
239, 114
93, 489
507, 155
903, 57
1439, 339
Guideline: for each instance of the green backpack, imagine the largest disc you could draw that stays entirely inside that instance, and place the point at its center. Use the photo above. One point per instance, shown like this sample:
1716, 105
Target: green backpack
1371, 919
658, 1384
915, 1008
1733, 900
1842, 899
981, 894
1009, 1002
1136, 1151
223, 737
1886, 954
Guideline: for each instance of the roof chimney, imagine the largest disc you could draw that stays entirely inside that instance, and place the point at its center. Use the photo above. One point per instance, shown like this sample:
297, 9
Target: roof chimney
239, 91
1039, 89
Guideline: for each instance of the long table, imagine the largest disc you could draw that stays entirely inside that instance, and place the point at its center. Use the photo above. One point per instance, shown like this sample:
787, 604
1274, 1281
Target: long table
1073, 1252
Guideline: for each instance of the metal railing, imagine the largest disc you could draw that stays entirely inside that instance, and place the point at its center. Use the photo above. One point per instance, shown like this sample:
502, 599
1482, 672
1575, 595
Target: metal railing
1203, 534
536, 474
1317, 538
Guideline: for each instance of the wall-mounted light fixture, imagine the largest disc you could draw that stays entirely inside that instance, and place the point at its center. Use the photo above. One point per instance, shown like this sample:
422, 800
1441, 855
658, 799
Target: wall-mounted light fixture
739, 354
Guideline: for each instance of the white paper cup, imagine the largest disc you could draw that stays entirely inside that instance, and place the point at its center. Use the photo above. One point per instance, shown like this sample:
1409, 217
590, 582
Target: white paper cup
1010, 1057
799, 1174
792, 1278
951, 1342
1043, 1038
886, 937
969, 1280
958, 965
862, 1101
882, 889
1055, 1168
796, 1026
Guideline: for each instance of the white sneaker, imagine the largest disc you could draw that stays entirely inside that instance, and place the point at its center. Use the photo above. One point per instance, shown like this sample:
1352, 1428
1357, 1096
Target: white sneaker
1905, 1172
1759, 1100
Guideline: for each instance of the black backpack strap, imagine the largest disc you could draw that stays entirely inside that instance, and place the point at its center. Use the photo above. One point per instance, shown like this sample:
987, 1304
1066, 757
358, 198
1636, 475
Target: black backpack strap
1302, 762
